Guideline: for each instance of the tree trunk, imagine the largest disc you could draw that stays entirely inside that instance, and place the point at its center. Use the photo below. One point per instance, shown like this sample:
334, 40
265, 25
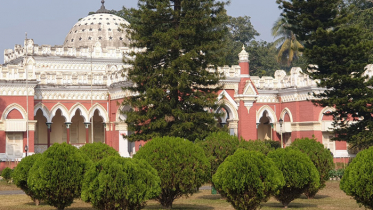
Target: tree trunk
37, 202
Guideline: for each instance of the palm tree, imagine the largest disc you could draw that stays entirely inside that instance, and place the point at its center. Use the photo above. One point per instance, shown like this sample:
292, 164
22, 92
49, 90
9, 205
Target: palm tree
287, 42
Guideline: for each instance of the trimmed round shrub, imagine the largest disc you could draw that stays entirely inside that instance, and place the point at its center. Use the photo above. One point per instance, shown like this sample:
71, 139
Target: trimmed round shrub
21, 173
258, 145
357, 180
217, 147
120, 183
7, 174
181, 165
321, 158
248, 178
98, 151
56, 177
299, 173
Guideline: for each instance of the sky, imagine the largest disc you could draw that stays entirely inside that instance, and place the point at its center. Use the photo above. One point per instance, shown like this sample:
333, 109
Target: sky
47, 22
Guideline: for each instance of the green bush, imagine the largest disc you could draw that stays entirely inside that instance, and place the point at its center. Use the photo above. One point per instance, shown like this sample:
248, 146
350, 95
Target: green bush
56, 177
120, 183
321, 158
248, 178
332, 174
21, 173
258, 145
298, 171
340, 173
273, 144
98, 151
217, 147
357, 180
181, 165
7, 174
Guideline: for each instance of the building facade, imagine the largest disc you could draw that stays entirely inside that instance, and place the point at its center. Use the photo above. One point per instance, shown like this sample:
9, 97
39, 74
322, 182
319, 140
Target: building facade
72, 93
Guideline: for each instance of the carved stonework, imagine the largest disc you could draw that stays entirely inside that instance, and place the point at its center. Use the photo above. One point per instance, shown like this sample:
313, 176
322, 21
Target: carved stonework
267, 99
230, 86
121, 126
70, 95
120, 94
32, 125
12, 90
306, 126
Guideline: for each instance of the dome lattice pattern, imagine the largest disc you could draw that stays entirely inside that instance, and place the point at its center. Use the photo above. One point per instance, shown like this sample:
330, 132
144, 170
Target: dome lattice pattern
105, 28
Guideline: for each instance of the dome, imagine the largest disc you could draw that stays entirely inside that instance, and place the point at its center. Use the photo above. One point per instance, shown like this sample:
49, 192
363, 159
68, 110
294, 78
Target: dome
100, 27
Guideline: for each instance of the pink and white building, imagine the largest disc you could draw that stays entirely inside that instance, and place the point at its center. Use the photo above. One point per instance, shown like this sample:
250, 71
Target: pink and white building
70, 93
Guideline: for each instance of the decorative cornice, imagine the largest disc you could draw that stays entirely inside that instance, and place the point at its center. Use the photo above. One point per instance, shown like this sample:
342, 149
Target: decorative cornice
70, 95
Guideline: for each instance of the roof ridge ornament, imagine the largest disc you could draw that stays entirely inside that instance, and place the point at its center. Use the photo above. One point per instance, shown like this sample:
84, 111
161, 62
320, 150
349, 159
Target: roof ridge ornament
102, 9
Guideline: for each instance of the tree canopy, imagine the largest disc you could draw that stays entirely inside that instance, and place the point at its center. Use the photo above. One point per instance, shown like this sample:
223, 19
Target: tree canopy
289, 46
339, 52
357, 179
247, 179
175, 77
181, 165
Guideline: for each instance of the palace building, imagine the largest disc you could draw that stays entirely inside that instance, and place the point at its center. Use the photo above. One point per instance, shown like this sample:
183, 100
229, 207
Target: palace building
70, 93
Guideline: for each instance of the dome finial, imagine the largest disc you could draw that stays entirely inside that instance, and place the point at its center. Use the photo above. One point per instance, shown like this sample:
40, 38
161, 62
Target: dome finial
103, 9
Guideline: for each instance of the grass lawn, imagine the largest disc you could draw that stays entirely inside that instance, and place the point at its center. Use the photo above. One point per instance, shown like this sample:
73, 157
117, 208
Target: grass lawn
329, 198
5, 187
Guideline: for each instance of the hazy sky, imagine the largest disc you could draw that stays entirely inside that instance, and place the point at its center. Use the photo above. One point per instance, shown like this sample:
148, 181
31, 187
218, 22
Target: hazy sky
49, 21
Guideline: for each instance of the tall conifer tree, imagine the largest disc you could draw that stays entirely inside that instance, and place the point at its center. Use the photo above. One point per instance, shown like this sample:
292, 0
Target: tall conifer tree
175, 77
340, 52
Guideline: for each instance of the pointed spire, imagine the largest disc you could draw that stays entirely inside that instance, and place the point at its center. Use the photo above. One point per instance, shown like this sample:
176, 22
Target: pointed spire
102, 9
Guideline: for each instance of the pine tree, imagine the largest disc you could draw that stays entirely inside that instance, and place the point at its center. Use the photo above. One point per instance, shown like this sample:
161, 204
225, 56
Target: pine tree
175, 77
340, 52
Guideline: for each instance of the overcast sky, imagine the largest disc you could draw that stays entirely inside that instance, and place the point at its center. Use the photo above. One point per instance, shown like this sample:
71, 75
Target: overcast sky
49, 21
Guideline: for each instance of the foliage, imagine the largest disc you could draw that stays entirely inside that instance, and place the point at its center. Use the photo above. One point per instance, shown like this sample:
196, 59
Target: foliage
332, 174
21, 173
273, 144
56, 177
125, 13
258, 145
289, 46
181, 165
340, 172
120, 183
357, 180
262, 58
240, 32
7, 174
298, 171
218, 146
248, 178
361, 11
321, 158
339, 51
98, 151
173, 78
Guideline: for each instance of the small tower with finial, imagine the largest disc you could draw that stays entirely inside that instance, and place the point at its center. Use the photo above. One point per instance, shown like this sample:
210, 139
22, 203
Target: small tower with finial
244, 62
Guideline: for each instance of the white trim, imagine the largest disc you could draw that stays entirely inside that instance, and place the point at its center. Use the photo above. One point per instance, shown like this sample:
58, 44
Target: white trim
284, 111
229, 98
101, 112
323, 111
83, 112
10, 108
271, 114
